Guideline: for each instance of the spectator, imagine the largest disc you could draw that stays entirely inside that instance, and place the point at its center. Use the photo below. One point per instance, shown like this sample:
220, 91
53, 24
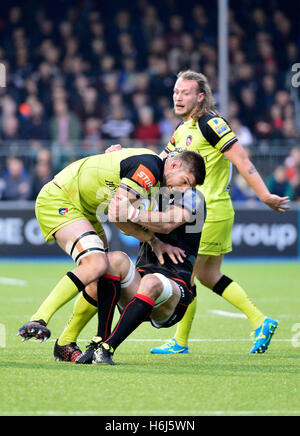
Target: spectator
92, 135
64, 125
89, 105
35, 126
8, 106
147, 129
248, 108
282, 98
42, 174
17, 184
138, 100
151, 23
295, 182
278, 183
292, 163
185, 56
175, 32
276, 121
289, 129
242, 132
117, 125
126, 47
242, 192
161, 82
267, 91
10, 129
128, 74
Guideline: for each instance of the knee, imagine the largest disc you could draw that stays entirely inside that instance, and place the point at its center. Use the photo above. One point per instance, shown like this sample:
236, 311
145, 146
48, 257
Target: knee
116, 259
150, 286
120, 264
96, 265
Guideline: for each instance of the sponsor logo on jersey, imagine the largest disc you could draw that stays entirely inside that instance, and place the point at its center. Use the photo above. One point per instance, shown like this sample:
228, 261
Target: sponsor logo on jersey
144, 177
63, 211
219, 126
189, 140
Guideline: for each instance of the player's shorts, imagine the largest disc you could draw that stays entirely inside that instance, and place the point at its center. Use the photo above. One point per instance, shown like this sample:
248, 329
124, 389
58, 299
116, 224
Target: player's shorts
187, 295
55, 210
216, 238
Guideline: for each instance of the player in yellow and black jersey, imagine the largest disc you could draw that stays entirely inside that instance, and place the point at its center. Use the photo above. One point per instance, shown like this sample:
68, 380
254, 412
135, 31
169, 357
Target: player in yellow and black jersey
204, 131
67, 210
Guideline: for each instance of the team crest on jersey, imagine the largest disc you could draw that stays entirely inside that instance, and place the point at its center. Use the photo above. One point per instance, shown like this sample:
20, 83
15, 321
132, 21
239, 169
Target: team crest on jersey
189, 140
173, 140
219, 126
63, 211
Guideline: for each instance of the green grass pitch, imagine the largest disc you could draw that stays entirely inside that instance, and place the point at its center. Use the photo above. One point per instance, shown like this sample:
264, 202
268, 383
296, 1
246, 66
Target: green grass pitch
217, 377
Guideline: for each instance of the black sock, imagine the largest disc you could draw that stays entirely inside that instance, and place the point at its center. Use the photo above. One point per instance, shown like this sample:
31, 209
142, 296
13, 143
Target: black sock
136, 311
89, 299
109, 290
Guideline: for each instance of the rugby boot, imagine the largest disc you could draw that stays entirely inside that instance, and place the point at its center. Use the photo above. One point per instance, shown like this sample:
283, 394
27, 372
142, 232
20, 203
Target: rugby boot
66, 353
87, 356
103, 355
171, 347
34, 329
263, 335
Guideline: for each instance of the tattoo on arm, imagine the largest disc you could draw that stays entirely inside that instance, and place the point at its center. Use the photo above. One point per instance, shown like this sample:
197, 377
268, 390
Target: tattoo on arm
252, 170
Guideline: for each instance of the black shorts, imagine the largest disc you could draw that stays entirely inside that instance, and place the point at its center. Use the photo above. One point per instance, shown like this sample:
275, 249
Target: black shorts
187, 294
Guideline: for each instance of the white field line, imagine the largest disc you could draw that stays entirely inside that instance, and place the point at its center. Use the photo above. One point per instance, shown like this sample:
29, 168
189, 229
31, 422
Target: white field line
12, 282
190, 340
155, 413
227, 314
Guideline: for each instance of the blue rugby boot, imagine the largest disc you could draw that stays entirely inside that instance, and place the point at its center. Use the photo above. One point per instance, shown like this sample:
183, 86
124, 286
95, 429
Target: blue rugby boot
263, 335
171, 347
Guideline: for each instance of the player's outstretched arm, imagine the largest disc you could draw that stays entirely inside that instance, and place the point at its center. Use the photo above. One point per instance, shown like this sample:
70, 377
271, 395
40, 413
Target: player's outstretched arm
237, 155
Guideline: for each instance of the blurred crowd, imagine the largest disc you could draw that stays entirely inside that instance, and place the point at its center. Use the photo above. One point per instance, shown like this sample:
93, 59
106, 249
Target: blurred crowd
284, 181
87, 73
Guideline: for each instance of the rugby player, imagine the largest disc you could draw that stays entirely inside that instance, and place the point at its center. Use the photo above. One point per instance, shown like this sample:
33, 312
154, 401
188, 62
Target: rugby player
67, 210
204, 131
159, 293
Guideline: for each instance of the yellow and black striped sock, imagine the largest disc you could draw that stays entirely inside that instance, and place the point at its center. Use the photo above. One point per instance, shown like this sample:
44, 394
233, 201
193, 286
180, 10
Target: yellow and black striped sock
66, 289
234, 294
84, 310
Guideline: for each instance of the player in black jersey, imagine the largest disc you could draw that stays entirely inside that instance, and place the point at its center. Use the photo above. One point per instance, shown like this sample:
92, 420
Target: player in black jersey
150, 291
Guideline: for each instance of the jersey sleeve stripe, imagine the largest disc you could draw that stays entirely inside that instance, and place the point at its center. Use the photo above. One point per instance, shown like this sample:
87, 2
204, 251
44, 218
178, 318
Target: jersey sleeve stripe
129, 189
228, 145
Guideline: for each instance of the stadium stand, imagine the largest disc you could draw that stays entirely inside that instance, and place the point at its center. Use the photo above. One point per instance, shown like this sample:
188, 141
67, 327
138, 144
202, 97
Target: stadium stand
86, 74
